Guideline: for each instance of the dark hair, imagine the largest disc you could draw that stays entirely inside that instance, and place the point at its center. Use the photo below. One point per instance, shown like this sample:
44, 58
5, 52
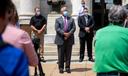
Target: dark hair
63, 6
16, 16
12, 10
117, 14
36, 8
61, 10
13, 14
5, 6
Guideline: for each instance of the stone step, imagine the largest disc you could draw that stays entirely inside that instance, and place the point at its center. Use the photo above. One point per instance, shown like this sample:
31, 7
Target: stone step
51, 50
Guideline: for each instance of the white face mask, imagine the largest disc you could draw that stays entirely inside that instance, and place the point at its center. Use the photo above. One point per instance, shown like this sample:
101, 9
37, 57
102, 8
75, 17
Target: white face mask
38, 13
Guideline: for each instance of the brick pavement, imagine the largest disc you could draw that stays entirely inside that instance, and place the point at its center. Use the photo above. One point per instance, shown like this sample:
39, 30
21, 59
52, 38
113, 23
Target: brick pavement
77, 69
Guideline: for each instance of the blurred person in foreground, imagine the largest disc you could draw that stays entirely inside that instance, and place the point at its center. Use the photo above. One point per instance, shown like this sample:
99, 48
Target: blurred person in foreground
19, 38
65, 28
13, 61
38, 26
111, 45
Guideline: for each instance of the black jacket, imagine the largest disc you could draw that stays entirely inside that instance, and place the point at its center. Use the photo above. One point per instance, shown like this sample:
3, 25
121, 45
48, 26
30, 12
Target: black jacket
82, 24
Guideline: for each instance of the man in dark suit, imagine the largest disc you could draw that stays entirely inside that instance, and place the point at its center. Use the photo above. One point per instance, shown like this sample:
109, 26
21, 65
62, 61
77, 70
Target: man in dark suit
86, 24
65, 28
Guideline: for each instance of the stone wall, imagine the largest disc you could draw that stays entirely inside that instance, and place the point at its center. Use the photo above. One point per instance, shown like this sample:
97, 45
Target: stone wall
26, 12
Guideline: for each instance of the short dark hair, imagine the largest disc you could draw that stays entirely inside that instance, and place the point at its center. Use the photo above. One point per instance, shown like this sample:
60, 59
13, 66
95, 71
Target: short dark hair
117, 14
5, 6
36, 8
61, 10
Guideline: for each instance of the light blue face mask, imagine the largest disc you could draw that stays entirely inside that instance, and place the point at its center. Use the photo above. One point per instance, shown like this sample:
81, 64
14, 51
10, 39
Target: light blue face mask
65, 13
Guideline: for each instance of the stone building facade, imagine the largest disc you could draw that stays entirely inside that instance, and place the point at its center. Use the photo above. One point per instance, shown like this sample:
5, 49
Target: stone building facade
26, 11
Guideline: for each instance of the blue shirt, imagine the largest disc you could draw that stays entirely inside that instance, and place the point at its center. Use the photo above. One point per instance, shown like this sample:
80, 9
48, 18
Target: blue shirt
13, 61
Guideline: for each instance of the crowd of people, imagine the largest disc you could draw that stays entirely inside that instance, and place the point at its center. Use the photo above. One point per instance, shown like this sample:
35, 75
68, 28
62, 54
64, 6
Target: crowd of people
18, 52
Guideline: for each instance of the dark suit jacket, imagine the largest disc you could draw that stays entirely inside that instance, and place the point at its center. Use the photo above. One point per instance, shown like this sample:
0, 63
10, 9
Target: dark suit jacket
59, 27
82, 24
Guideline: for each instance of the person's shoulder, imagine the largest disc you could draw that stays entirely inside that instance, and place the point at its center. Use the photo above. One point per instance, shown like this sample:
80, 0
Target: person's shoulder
101, 30
12, 29
81, 16
125, 29
70, 18
32, 17
42, 16
58, 18
90, 16
17, 30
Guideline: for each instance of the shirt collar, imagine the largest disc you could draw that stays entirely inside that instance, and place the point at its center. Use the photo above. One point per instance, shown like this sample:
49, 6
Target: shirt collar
63, 17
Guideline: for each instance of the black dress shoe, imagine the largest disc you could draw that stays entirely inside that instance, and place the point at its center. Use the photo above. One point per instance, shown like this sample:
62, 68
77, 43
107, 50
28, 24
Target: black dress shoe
80, 60
61, 71
91, 59
68, 70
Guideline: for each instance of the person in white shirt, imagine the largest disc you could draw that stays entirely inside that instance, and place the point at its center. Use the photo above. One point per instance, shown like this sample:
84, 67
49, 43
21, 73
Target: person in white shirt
83, 5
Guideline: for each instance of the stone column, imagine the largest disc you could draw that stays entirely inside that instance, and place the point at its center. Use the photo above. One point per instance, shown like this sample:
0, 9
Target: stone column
89, 5
124, 2
17, 2
75, 6
26, 11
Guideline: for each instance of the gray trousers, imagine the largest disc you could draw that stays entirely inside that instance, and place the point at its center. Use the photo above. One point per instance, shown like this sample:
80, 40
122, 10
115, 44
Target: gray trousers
64, 54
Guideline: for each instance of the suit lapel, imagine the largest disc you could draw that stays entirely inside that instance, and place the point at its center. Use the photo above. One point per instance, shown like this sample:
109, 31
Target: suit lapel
62, 22
84, 21
68, 22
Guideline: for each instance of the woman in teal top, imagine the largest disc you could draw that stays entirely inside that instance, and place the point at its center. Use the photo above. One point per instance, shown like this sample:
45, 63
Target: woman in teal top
111, 45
